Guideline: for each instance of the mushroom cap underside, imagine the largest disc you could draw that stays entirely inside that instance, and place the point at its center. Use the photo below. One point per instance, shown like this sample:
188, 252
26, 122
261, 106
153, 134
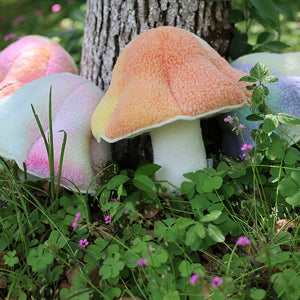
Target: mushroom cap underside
163, 75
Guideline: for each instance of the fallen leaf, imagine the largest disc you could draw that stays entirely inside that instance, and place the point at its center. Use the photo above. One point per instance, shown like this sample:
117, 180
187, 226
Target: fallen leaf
284, 225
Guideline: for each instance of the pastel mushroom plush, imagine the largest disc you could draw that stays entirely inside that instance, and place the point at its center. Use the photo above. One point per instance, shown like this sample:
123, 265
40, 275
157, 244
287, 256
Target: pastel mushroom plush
163, 82
74, 99
30, 58
284, 96
286, 64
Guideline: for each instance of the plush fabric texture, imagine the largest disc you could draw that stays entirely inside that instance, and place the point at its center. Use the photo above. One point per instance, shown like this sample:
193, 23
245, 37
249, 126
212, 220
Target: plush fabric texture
163, 75
284, 97
287, 64
30, 58
74, 99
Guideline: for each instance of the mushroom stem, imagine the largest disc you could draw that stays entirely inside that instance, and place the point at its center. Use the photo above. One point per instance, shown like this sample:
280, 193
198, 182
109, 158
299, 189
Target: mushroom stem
178, 148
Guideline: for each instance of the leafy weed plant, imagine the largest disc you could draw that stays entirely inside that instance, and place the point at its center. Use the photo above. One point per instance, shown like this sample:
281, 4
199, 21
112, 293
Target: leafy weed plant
232, 232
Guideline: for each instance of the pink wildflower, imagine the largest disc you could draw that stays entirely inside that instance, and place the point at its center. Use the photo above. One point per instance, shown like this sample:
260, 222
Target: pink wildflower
107, 219
74, 224
194, 278
217, 281
228, 119
56, 8
83, 243
9, 36
37, 12
241, 156
246, 147
241, 127
113, 199
150, 247
77, 217
243, 241
141, 262
18, 20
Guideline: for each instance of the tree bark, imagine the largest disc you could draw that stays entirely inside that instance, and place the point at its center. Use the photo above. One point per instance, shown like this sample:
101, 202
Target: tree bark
112, 24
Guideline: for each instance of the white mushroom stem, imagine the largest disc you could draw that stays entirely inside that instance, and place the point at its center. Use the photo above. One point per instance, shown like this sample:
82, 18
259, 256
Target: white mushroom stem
178, 148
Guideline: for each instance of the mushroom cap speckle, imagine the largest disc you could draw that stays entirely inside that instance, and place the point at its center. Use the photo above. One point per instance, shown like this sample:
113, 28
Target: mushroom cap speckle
30, 58
163, 75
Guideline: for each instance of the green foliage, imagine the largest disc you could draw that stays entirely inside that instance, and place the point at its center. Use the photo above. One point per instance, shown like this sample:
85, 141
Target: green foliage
10, 258
39, 259
261, 74
268, 25
155, 243
36, 17
285, 284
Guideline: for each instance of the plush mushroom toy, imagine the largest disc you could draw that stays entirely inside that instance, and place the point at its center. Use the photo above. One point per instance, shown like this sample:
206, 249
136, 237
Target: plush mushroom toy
163, 82
30, 58
284, 97
74, 99
286, 64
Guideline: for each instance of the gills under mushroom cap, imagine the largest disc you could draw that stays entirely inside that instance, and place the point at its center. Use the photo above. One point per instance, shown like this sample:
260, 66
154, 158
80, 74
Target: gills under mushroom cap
164, 75
74, 99
30, 58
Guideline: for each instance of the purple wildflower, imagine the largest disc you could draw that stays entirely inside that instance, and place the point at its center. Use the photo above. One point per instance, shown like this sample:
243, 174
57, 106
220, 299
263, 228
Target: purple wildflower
83, 243
243, 155
77, 217
113, 199
107, 219
241, 127
9, 36
18, 20
243, 241
37, 12
228, 119
141, 262
74, 224
217, 281
150, 247
246, 147
194, 278
56, 8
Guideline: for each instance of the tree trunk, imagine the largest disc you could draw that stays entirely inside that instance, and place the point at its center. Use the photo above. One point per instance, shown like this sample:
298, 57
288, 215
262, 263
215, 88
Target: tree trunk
112, 24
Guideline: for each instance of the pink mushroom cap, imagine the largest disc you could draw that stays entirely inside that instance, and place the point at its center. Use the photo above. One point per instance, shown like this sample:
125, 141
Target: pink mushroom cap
74, 99
30, 58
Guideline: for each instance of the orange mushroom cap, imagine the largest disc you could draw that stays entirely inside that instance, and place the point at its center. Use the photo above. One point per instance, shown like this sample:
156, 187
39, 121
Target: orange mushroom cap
163, 75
